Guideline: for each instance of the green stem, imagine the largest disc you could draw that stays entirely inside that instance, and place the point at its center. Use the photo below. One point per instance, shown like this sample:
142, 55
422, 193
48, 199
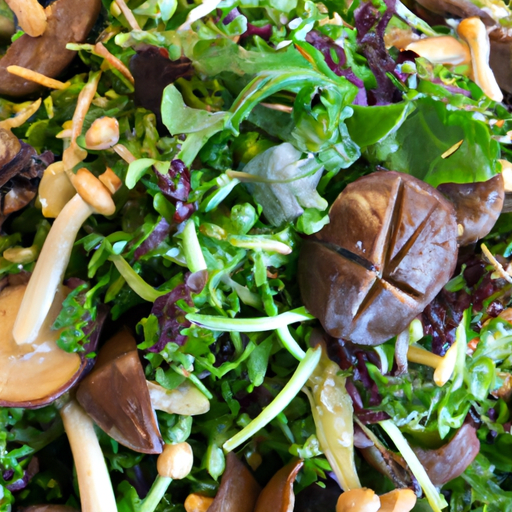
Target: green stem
290, 344
435, 500
192, 249
156, 493
288, 393
195, 380
412, 19
134, 281
266, 323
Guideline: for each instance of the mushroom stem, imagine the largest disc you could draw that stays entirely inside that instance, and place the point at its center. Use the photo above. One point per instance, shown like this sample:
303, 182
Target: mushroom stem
175, 462
49, 270
444, 366
96, 493
473, 31
92, 197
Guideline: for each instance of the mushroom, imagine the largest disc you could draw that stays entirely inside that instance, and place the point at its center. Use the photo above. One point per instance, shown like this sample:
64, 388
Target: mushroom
477, 205
443, 366
450, 460
116, 396
441, 50
92, 197
96, 493
390, 246
399, 500
69, 21
278, 494
238, 489
31, 16
358, 500
473, 31
9, 147
35, 374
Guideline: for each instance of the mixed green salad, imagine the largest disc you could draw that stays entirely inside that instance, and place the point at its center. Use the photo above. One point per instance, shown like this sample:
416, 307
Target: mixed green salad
184, 325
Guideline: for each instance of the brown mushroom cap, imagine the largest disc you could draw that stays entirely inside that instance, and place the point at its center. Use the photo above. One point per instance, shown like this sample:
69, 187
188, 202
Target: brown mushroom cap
390, 247
478, 206
238, 489
116, 396
9, 147
278, 494
33, 375
69, 21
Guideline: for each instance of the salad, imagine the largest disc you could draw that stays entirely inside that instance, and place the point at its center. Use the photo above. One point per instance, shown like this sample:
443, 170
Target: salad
255, 255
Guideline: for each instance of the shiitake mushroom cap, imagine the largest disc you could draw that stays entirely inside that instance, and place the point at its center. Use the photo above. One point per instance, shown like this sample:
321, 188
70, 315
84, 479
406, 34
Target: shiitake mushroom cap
478, 206
390, 246
115, 394
34, 375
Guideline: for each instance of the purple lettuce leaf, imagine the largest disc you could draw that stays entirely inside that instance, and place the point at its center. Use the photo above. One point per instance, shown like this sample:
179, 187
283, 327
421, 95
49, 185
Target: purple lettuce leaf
371, 25
155, 238
171, 318
175, 186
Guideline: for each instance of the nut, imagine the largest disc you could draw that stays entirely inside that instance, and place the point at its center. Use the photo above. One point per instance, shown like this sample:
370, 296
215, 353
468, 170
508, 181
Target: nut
93, 192
175, 461
358, 500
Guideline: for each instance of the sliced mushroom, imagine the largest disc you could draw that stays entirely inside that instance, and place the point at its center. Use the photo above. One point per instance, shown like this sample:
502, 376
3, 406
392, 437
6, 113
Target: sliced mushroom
69, 21
390, 246
478, 206
116, 396
452, 459
9, 147
35, 374
278, 494
238, 489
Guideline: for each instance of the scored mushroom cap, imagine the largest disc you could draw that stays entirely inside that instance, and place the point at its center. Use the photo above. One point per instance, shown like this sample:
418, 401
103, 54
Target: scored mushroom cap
390, 246
116, 396
69, 21
36, 374
478, 206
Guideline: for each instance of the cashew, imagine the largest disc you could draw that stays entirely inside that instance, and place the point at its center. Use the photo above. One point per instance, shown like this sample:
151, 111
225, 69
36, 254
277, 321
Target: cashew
473, 31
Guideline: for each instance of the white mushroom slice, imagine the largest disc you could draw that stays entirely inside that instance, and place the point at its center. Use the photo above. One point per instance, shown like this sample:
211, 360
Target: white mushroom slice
473, 31
441, 50
186, 399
